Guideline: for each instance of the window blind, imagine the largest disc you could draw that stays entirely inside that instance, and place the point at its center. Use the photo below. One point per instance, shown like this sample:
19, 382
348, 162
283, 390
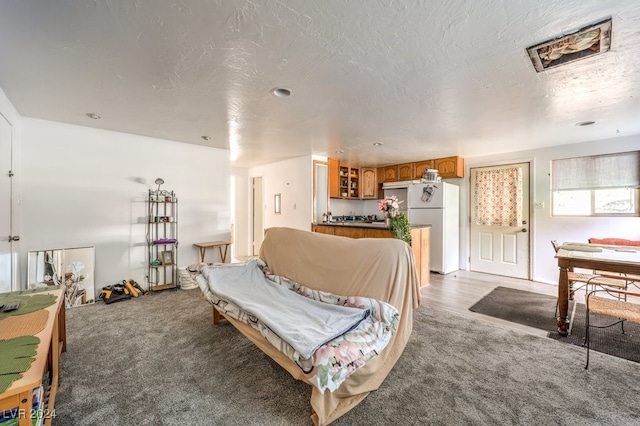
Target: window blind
596, 171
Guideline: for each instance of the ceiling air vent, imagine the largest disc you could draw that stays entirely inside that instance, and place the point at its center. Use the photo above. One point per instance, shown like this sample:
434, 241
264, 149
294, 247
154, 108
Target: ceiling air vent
588, 41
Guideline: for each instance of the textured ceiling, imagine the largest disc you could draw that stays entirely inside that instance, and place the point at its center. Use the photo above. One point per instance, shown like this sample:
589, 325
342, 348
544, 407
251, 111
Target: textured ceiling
427, 79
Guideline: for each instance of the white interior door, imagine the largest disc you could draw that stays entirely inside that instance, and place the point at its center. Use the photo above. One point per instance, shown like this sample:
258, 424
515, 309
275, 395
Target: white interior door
499, 241
7, 267
258, 215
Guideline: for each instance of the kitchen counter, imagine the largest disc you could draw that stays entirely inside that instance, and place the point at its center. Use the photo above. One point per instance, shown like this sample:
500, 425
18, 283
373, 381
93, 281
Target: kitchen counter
354, 224
420, 237
359, 224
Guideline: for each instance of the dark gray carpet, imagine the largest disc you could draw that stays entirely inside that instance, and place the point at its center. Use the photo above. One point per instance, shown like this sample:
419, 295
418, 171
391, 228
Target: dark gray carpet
519, 306
158, 360
537, 310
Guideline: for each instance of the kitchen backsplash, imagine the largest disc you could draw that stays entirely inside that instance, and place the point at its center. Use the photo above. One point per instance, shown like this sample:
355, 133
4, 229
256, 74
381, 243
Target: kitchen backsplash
340, 207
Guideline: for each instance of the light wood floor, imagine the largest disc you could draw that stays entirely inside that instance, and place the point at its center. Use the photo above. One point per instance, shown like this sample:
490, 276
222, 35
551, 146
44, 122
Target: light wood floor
460, 290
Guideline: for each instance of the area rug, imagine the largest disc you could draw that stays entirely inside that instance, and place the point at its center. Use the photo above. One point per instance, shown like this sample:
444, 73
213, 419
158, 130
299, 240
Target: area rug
537, 310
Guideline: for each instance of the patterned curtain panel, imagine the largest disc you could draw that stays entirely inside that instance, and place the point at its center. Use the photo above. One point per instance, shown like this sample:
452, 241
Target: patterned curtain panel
498, 195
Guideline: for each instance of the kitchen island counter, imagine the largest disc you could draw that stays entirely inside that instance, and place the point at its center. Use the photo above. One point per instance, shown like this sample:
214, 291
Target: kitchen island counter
359, 224
353, 229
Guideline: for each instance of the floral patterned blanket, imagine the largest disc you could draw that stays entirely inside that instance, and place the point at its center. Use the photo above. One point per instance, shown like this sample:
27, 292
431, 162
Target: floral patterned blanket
335, 361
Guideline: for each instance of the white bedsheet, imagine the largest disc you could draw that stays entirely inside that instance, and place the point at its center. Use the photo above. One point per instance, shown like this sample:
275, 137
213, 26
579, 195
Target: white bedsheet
303, 323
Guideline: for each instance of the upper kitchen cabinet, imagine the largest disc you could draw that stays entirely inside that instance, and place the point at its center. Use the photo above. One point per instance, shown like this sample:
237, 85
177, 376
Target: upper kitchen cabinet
420, 166
369, 182
450, 167
334, 178
405, 171
351, 177
344, 180
391, 173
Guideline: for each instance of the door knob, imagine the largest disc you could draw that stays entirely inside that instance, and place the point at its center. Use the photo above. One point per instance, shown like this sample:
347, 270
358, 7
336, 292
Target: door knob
524, 230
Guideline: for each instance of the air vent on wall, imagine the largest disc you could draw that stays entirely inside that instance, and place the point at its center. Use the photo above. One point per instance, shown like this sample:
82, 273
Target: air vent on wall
586, 42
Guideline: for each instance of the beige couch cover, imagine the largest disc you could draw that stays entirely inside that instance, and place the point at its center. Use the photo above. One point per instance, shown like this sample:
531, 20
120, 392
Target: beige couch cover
380, 268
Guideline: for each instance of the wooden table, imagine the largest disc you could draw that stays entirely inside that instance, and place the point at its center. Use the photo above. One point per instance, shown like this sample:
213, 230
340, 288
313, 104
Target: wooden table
53, 341
617, 259
204, 246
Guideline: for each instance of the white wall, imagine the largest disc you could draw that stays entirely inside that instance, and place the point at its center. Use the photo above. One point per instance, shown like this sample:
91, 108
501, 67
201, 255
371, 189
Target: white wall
344, 207
545, 228
242, 219
87, 187
293, 179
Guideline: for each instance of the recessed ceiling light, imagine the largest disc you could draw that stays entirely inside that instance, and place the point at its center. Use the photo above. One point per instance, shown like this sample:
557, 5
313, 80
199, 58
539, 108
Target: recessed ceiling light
206, 138
339, 151
93, 116
281, 92
377, 143
585, 123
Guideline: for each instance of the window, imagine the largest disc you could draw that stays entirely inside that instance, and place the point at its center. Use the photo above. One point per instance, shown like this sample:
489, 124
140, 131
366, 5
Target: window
599, 185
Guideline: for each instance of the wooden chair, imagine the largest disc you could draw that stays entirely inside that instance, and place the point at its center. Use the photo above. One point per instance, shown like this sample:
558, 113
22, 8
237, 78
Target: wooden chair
622, 243
612, 303
586, 279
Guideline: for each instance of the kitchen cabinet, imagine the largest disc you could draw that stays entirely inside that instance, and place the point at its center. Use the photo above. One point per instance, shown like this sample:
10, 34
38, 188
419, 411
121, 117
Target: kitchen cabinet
344, 180
391, 173
369, 182
323, 229
377, 233
450, 167
348, 231
405, 171
349, 181
334, 178
420, 240
420, 166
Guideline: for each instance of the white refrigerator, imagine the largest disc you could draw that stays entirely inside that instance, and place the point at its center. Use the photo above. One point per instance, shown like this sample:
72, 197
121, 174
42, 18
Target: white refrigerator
436, 204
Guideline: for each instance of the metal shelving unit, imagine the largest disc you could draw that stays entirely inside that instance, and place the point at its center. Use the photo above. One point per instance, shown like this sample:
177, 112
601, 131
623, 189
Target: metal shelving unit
162, 240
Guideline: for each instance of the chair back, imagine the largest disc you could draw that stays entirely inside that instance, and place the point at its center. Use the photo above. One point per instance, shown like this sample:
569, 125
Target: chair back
614, 241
